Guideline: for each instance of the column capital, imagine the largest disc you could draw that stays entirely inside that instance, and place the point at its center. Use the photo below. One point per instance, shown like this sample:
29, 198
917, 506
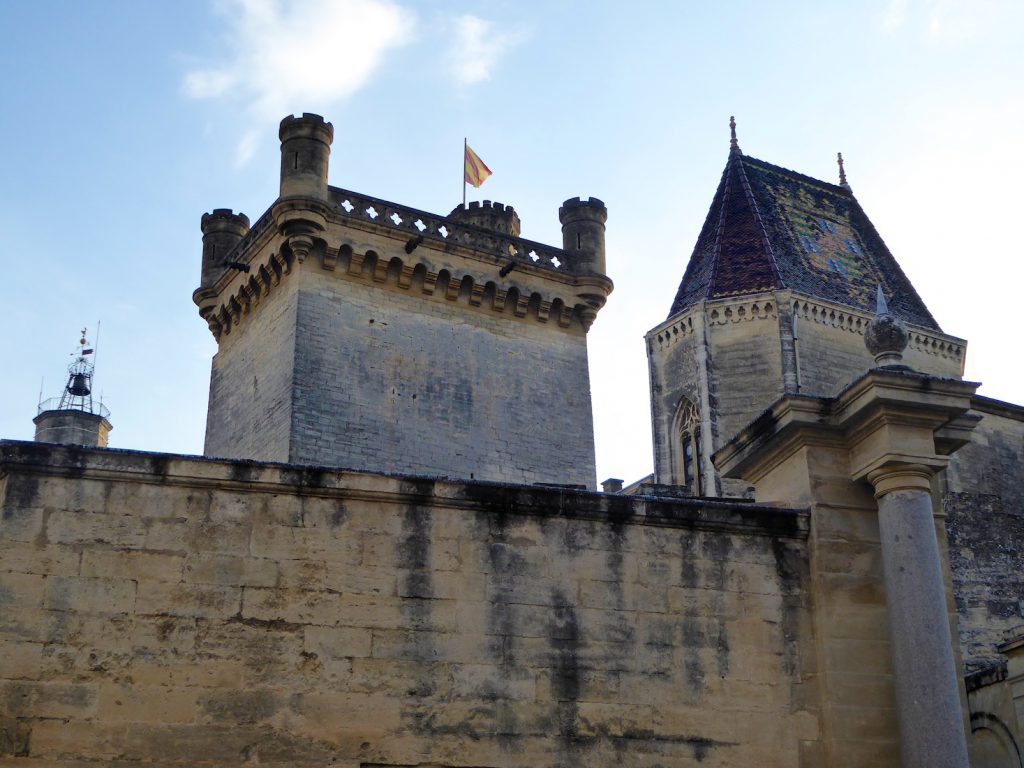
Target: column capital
897, 475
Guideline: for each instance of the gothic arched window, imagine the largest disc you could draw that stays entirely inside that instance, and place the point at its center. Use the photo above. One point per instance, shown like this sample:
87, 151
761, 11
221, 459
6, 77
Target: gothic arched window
688, 446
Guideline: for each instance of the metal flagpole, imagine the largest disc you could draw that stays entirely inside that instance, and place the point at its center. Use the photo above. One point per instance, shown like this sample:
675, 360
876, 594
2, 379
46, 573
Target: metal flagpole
465, 145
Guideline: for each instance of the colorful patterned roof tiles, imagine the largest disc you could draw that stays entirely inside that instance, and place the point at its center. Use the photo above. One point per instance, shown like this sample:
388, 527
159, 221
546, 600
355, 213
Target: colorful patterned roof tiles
770, 228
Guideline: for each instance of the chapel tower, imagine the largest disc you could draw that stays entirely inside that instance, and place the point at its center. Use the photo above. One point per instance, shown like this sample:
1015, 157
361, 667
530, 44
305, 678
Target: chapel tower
775, 299
355, 332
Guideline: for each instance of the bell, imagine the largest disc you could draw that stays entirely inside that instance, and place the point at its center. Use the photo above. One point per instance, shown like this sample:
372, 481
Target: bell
79, 386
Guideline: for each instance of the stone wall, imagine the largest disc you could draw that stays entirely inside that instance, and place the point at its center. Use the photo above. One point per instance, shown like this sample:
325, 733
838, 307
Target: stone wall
985, 507
726, 359
251, 384
183, 611
388, 379
676, 358
745, 374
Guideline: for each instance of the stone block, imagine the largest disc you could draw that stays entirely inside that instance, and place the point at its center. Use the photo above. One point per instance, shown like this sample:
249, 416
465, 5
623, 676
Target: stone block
119, 529
48, 560
184, 599
172, 672
278, 542
134, 565
22, 524
90, 595
337, 642
230, 570
19, 660
25, 699
63, 738
146, 704
316, 712
21, 592
239, 706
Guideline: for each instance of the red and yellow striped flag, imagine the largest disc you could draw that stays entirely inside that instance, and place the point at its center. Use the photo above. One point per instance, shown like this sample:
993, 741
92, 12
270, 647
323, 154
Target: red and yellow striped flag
476, 170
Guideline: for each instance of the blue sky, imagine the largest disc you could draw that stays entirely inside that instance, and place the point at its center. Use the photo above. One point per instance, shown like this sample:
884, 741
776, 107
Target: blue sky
123, 122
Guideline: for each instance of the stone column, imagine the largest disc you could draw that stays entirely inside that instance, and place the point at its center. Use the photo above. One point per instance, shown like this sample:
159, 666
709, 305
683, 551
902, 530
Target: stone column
889, 431
927, 694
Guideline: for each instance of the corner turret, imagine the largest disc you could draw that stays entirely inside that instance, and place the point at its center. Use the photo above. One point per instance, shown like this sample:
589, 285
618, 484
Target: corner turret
305, 155
222, 231
583, 233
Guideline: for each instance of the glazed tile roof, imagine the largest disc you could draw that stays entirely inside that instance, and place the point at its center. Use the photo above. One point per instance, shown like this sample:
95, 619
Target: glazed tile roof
770, 228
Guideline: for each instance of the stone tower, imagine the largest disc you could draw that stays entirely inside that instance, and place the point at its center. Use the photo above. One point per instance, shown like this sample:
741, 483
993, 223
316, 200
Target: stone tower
774, 301
360, 333
74, 417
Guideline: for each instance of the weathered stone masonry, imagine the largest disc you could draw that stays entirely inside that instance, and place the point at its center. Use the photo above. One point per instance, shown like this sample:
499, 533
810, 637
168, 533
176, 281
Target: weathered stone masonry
186, 611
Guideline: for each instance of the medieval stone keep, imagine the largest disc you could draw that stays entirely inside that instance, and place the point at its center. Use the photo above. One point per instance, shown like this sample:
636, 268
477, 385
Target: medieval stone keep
360, 333
382, 562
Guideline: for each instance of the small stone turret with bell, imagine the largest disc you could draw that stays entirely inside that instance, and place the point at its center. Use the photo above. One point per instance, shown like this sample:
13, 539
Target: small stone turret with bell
75, 418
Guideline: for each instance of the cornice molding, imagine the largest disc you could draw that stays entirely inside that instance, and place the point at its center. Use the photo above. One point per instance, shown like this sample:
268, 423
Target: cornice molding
681, 326
250, 477
225, 306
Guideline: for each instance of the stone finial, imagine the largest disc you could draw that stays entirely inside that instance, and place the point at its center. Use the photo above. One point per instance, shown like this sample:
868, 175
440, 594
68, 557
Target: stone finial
842, 172
734, 145
885, 337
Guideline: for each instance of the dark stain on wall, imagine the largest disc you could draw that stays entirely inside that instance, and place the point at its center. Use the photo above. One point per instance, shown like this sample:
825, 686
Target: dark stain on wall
791, 568
986, 555
22, 493
718, 551
414, 564
564, 637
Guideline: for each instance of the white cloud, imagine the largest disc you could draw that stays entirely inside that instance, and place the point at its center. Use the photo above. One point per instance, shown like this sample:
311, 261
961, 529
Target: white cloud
944, 21
954, 21
894, 15
289, 56
477, 49
247, 147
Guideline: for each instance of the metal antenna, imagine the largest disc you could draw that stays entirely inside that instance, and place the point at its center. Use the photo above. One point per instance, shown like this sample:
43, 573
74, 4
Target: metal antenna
96, 345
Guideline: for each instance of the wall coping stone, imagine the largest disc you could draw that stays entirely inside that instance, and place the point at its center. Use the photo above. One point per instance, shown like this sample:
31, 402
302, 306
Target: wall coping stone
499, 499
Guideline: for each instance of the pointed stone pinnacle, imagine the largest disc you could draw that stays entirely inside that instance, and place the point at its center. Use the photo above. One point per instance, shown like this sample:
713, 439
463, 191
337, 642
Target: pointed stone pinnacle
734, 145
881, 308
842, 172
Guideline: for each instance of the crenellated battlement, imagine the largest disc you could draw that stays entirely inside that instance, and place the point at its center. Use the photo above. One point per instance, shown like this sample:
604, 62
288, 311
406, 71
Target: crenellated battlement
592, 206
494, 217
308, 124
224, 217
